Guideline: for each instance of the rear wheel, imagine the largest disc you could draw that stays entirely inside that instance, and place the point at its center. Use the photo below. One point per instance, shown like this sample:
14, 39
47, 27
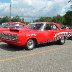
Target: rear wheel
10, 45
61, 41
30, 44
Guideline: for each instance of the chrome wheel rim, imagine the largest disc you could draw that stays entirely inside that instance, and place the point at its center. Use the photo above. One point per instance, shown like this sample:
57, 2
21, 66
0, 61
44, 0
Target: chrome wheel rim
62, 40
30, 44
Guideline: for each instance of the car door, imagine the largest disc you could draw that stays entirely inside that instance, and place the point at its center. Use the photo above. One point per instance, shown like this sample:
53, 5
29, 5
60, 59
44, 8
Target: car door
50, 30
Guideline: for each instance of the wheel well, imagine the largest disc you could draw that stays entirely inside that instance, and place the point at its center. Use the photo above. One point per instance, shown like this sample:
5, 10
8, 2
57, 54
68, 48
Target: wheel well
34, 40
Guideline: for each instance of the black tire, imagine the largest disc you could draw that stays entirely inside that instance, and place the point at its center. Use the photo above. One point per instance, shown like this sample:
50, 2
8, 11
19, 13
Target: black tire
70, 38
61, 41
10, 45
30, 44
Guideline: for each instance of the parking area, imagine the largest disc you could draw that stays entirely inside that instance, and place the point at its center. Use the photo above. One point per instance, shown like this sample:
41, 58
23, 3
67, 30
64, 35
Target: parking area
44, 58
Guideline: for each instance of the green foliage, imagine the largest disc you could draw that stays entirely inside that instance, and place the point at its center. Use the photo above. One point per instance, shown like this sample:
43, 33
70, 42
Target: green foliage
4, 19
58, 19
14, 19
63, 20
44, 19
68, 18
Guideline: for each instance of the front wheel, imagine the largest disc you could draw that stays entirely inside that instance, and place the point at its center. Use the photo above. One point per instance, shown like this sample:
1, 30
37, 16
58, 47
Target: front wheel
70, 38
30, 44
61, 41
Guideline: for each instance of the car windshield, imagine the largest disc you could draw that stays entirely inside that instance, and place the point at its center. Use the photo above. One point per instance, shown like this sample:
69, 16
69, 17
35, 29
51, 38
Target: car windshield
34, 26
6, 25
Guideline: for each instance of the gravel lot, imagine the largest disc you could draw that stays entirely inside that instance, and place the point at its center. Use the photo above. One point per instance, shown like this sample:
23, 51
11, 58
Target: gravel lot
45, 58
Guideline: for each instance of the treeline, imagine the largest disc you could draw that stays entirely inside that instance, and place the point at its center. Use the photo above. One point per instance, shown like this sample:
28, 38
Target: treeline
14, 19
64, 20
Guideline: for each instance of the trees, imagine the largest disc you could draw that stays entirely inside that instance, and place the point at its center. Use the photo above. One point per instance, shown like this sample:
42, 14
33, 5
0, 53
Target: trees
58, 19
17, 19
14, 19
68, 18
44, 19
69, 2
64, 20
4, 19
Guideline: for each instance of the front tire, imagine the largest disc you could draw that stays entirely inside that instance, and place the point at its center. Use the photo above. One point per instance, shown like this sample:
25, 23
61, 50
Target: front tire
30, 44
70, 38
61, 41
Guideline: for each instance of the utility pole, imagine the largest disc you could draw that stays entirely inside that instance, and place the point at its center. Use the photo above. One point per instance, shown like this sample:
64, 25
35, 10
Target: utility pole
10, 11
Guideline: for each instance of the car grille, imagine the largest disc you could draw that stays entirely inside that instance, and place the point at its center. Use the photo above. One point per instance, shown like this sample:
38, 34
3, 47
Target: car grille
8, 36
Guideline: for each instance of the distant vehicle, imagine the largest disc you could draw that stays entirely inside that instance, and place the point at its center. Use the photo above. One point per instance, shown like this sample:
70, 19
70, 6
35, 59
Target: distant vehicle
34, 34
7, 25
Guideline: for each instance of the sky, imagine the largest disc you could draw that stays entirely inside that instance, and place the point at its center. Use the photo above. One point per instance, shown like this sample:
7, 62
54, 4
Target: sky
5, 1
32, 9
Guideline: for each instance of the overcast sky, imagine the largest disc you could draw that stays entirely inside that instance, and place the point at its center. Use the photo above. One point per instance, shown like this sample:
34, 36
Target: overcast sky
30, 9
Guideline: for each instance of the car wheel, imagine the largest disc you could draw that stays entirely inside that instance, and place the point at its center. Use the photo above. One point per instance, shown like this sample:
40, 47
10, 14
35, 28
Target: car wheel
70, 38
10, 45
61, 41
30, 44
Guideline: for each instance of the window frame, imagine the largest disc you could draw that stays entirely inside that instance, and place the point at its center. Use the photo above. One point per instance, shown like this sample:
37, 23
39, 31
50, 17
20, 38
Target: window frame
51, 27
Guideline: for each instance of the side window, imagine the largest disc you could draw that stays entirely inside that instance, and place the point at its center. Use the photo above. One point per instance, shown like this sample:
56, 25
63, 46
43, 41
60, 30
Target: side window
54, 27
48, 27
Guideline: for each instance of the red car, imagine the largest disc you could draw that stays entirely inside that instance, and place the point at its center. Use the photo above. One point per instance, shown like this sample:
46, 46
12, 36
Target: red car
35, 33
7, 25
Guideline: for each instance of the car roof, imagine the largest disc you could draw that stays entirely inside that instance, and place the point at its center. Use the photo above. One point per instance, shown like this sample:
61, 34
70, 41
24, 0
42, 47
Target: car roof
46, 22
